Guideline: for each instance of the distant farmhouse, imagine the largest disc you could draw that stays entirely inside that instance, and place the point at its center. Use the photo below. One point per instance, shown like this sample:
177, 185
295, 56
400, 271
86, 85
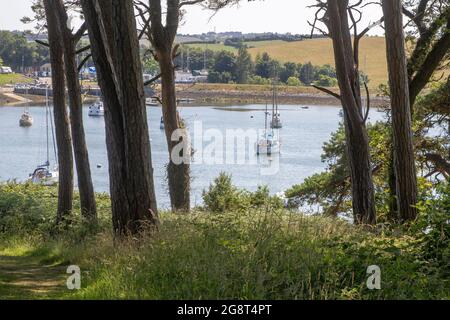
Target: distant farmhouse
46, 67
45, 70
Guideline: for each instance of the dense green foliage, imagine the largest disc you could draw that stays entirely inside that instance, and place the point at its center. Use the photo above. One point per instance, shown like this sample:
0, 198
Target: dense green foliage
330, 190
15, 47
252, 252
222, 196
227, 67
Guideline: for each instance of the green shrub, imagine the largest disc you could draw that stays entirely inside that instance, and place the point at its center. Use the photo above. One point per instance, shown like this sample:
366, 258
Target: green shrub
223, 196
258, 80
293, 82
261, 198
433, 228
26, 208
326, 81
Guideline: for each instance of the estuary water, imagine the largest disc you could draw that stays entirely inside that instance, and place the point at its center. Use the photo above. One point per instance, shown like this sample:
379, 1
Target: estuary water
304, 132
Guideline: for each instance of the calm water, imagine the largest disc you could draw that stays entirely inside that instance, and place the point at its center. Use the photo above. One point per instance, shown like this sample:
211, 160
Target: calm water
302, 137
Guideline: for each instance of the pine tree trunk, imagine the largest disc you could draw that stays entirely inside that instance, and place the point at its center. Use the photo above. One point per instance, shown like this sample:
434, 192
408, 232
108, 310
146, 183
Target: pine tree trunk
393, 205
363, 199
178, 174
62, 126
162, 38
85, 185
112, 31
404, 163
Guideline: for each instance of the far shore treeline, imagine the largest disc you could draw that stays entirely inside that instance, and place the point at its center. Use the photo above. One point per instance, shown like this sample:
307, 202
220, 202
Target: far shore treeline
24, 55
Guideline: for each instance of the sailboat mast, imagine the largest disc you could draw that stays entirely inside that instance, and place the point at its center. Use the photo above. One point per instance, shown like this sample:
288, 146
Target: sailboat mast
26, 106
46, 126
276, 100
273, 101
265, 125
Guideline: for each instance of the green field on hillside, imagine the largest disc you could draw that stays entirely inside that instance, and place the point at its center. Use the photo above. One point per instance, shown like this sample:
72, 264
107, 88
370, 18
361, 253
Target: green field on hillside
319, 52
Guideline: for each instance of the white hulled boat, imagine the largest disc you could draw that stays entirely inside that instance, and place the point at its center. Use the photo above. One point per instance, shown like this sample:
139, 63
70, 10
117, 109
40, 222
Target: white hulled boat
44, 174
276, 116
97, 109
152, 102
26, 120
269, 143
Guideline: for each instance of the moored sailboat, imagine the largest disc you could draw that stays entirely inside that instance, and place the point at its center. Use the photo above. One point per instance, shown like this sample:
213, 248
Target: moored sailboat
276, 116
44, 174
269, 143
26, 120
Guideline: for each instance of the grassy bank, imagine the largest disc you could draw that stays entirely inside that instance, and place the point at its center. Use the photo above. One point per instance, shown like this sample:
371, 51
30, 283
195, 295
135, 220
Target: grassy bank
215, 93
282, 89
12, 79
246, 253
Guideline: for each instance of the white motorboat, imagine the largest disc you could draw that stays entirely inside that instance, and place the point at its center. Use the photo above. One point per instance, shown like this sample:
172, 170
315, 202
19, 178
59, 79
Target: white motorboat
152, 102
97, 109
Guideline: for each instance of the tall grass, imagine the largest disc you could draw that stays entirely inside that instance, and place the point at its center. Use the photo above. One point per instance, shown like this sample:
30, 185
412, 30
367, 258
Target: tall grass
255, 255
252, 253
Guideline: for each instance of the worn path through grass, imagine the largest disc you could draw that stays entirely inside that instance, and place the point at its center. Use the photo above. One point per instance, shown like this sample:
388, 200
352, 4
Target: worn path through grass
26, 278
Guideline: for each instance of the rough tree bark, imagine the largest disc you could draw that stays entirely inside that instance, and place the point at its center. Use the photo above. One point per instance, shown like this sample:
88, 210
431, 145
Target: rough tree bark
112, 32
432, 45
62, 127
85, 185
404, 163
162, 39
363, 199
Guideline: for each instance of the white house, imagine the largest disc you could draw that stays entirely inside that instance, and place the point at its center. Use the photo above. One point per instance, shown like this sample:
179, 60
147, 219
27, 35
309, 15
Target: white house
46, 67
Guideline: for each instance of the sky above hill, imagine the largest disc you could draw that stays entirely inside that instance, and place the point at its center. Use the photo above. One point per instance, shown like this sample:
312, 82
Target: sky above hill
259, 16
